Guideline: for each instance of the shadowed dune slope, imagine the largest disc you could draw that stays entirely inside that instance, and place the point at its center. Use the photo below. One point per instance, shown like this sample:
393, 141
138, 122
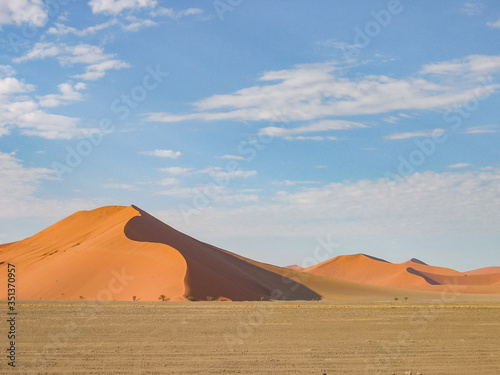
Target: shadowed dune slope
212, 271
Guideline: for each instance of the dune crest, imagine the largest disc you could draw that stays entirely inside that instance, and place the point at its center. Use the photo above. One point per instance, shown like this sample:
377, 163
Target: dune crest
412, 274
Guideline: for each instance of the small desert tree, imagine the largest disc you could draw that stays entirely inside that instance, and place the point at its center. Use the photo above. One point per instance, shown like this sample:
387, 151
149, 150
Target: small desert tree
396, 299
162, 297
209, 298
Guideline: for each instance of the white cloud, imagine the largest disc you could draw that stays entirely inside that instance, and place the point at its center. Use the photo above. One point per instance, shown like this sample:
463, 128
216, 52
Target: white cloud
94, 57
320, 126
96, 71
128, 23
11, 85
231, 157
312, 138
25, 114
176, 170
472, 8
18, 192
222, 174
173, 13
459, 165
117, 6
135, 24
391, 119
50, 126
40, 50
426, 134
482, 129
495, 24
319, 91
163, 153
68, 94
61, 29
473, 65
6, 71
18, 12
420, 206
169, 181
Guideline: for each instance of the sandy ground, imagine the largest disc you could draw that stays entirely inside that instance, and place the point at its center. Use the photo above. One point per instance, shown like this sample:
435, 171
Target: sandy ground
255, 338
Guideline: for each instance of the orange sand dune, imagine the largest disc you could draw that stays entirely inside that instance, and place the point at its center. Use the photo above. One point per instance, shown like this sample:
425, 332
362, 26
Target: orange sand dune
362, 268
483, 271
88, 255
412, 275
118, 253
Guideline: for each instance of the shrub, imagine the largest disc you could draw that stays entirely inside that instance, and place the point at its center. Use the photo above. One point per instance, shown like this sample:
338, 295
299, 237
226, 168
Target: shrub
406, 298
134, 298
191, 298
396, 298
209, 298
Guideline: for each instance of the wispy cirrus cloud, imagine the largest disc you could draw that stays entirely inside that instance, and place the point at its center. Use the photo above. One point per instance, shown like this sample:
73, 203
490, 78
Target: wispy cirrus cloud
97, 62
177, 170
472, 8
495, 24
19, 187
163, 153
231, 157
459, 165
322, 91
467, 67
417, 134
482, 129
316, 127
176, 13
61, 29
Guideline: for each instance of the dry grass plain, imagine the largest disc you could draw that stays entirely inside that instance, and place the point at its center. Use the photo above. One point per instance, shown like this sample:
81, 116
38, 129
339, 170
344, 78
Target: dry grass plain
282, 337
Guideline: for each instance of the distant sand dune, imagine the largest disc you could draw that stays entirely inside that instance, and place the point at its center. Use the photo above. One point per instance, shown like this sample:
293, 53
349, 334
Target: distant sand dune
121, 253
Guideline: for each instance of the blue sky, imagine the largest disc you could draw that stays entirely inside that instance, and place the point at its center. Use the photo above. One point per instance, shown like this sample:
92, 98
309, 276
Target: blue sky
266, 128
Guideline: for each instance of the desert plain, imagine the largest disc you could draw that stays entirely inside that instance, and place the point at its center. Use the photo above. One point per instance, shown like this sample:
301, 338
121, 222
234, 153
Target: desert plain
281, 337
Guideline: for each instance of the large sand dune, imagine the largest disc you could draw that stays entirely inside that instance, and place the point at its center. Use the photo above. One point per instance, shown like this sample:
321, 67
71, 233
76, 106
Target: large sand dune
121, 253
